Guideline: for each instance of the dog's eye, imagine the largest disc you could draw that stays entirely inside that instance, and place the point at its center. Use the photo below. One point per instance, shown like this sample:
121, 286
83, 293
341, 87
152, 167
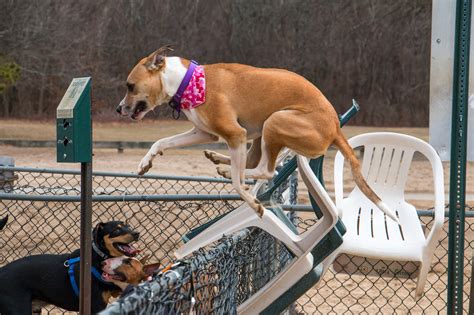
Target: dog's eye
130, 87
115, 232
127, 261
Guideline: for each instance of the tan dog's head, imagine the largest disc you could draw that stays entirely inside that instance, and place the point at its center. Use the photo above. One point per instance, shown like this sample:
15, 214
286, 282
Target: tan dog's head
123, 271
144, 86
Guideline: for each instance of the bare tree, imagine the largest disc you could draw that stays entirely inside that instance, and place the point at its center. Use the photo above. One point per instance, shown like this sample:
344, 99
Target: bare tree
376, 51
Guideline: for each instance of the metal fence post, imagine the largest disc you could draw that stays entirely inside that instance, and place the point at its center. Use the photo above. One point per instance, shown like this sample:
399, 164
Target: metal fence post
459, 135
7, 178
471, 291
86, 239
74, 145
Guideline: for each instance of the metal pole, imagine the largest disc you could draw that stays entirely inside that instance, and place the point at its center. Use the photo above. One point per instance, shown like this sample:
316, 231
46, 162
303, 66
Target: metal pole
457, 182
471, 292
86, 239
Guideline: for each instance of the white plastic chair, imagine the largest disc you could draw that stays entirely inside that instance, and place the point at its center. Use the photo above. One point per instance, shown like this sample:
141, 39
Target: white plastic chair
386, 162
299, 244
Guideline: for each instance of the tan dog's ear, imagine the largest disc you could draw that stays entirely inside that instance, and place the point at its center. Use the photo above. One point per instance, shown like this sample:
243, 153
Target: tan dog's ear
150, 269
144, 259
156, 60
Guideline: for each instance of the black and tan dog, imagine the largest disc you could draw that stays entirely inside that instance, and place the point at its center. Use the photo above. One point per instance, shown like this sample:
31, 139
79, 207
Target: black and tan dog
45, 278
3, 222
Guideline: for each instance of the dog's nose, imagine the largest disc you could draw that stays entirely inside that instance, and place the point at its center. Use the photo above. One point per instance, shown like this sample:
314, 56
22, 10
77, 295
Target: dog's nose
136, 235
119, 109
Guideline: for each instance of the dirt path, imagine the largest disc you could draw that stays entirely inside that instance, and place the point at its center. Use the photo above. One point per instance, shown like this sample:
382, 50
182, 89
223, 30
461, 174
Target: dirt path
147, 130
193, 162
178, 162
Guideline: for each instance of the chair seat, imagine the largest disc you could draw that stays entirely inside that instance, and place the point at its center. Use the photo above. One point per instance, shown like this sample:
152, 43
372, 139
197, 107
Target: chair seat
371, 234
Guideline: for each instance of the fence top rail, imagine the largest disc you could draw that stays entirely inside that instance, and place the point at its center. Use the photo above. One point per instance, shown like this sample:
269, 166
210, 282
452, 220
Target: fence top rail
114, 174
173, 197
117, 198
421, 212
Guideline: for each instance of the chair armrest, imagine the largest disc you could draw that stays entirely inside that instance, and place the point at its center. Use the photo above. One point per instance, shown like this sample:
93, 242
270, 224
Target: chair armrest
437, 227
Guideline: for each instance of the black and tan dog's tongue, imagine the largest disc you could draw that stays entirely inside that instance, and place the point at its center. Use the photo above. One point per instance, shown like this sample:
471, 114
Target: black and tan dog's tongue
129, 250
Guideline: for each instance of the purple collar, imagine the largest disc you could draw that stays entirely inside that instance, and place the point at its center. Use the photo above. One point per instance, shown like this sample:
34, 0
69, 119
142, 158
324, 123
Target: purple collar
175, 102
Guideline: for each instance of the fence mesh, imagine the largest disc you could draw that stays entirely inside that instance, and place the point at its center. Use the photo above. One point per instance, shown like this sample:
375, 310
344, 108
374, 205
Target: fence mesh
219, 278
52, 226
365, 292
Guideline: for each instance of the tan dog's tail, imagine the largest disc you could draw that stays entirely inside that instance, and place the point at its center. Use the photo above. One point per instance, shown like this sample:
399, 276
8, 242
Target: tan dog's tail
348, 153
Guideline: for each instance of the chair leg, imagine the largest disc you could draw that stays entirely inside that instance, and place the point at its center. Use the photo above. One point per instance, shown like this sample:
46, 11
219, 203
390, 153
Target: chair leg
329, 260
327, 263
241, 218
422, 276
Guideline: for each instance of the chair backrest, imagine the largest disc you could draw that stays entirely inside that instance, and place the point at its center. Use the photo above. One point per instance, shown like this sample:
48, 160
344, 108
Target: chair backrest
386, 162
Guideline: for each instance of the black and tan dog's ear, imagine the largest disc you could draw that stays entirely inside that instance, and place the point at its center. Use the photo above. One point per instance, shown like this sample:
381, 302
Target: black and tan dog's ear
156, 60
3, 222
99, 227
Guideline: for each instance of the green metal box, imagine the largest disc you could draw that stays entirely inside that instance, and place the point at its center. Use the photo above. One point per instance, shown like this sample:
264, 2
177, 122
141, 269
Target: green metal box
73, 123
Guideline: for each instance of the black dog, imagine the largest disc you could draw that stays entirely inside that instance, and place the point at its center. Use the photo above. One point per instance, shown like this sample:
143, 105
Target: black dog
3, 222
45, 278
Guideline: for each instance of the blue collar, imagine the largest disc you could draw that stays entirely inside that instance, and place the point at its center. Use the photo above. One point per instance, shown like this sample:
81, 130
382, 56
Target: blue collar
69, 264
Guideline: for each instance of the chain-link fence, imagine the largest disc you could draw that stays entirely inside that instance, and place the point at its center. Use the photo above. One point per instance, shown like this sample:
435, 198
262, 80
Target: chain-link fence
214, 280
364, 291
44, 213
217, 278
44, 209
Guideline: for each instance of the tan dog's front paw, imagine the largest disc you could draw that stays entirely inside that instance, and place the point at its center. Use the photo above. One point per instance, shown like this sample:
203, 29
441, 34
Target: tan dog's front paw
223, 172
145, 164
211, 155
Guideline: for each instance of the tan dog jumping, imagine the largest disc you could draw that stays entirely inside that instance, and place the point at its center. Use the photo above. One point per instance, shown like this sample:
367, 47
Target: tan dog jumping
275, 108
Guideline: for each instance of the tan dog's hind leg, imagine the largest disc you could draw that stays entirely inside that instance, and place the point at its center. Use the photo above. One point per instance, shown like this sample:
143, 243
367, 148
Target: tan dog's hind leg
270, 148
301, 132
255, 153
296, 130
193, 136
